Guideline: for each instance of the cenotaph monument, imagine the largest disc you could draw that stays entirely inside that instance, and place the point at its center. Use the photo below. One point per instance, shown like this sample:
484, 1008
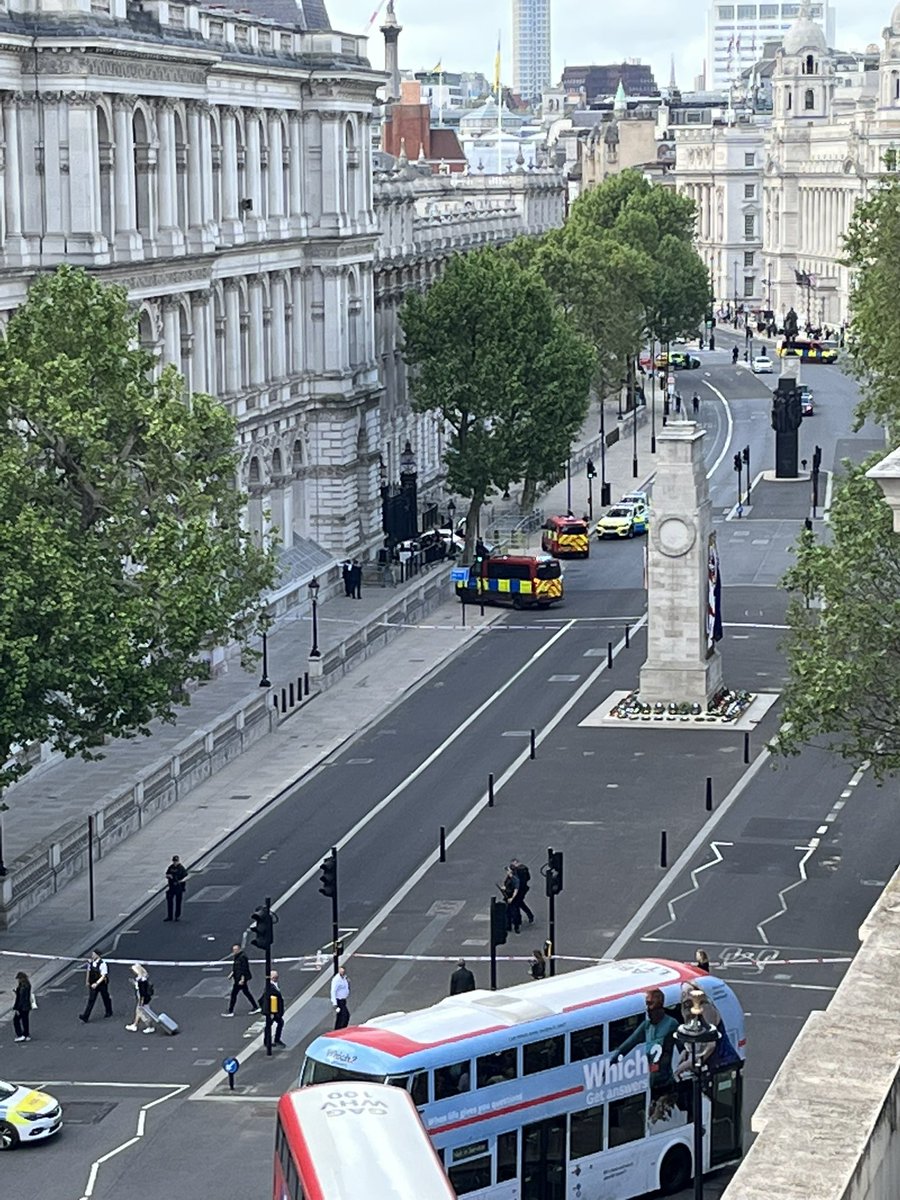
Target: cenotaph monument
683, 664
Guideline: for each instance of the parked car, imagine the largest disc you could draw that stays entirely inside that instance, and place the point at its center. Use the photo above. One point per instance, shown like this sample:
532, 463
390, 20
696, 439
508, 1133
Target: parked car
623, 521
681, 361
762, 365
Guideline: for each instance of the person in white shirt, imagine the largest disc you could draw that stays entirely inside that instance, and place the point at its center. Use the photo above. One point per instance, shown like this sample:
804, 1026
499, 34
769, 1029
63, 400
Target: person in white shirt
340, 994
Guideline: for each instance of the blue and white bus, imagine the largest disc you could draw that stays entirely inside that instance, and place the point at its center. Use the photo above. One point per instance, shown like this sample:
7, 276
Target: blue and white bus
562, 1088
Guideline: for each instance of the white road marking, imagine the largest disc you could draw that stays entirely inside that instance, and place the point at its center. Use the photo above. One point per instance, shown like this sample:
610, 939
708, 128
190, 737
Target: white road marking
94, 1171
805, 987
423, 766
204, 1090
801, 866
730, 419
695, 886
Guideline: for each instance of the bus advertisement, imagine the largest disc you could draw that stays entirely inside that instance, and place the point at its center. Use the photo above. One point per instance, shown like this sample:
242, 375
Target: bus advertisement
565, 1087
342, 1141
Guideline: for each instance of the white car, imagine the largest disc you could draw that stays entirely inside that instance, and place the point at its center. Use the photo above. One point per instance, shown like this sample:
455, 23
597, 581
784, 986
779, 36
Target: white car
762, 365
26, 1115
639, 498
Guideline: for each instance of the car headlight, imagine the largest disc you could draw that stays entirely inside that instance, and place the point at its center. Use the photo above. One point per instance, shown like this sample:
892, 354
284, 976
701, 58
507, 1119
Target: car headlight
31, 1116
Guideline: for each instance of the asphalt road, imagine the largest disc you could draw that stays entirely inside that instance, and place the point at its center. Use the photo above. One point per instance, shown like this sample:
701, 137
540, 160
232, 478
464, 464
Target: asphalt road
790, 865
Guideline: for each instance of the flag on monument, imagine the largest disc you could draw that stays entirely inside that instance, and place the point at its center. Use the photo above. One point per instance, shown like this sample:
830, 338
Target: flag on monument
714, 595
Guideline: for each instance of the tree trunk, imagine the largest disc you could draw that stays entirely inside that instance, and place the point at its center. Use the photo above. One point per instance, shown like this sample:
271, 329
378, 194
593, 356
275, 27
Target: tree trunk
529, 495
472, 517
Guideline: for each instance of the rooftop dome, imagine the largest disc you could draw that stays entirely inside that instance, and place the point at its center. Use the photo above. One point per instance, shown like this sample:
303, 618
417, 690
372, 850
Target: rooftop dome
804, 34
895, 19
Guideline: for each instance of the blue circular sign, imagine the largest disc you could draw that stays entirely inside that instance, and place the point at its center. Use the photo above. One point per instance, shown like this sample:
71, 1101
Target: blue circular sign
230, 1065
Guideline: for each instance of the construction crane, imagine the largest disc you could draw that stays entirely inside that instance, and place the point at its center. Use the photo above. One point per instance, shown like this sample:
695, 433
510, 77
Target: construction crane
374, 16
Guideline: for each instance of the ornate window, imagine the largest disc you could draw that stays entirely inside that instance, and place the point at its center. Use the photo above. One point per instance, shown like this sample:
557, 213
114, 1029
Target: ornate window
809, 100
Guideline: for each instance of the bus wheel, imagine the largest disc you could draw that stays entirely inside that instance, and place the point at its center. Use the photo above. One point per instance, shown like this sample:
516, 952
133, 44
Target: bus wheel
675, 1172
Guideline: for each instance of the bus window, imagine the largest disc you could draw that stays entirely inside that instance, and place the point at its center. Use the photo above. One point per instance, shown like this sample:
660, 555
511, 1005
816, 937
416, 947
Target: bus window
507, 1156
419, 1088
548, 570
620, 1030
626, 1120
586, 1132
542, 1055
495, 1068
450, 1081
470, 1168
586, 1043
319, 1072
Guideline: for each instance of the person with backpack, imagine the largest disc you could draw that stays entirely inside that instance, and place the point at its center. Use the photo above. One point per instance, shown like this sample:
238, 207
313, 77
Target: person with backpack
143, 990
524, 875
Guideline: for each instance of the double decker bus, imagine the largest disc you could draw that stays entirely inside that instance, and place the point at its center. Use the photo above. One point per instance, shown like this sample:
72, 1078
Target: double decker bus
809, 350
343, 1141
526, 1092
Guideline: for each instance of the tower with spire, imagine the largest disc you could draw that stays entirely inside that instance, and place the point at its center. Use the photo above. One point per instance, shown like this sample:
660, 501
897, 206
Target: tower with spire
390, 31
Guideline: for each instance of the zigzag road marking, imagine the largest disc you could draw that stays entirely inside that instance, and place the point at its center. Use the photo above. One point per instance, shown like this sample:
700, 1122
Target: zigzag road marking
695, 887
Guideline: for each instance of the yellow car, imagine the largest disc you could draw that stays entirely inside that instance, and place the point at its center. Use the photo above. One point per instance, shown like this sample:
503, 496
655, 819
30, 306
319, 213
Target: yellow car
623, 520
26, 1115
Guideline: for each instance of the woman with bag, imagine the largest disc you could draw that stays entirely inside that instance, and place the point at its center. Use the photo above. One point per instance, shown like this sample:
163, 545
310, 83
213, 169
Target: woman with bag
22, 1006
143, 990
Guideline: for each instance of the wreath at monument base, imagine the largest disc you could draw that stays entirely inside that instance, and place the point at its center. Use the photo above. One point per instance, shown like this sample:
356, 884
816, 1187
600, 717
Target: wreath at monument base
726, 706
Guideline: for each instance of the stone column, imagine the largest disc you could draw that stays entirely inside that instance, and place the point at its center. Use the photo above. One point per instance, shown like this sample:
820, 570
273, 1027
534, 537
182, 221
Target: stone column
16, 247
277, 215
128, 242
201, 364
332, 168
169, 237
232, 227
233, 382
295, 199
682, 662
52, 163
257, 333
199, 234
298, 327
171, 331
85, 240
254, 225
279, 284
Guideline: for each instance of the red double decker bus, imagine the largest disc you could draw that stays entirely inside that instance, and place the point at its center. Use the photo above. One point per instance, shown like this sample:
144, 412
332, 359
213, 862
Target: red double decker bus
342, 1141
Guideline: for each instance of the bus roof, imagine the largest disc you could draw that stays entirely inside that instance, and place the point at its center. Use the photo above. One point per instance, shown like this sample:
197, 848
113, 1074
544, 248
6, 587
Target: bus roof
351, 1140
472, 1014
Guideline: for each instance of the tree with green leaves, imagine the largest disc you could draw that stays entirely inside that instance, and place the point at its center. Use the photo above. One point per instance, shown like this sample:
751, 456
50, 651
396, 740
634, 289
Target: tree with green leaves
123, 555
493, 355
843, 645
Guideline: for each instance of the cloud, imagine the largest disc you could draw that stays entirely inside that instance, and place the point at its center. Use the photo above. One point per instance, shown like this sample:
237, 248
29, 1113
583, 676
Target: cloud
463, 33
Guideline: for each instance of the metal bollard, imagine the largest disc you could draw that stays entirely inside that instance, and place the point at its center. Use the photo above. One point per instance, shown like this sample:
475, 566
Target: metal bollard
709, 805
283, 700
443, 857
491, 790
663, 849
627, 637
299, 689
291, 694
533, 750
306, 683
747, 746
609, 656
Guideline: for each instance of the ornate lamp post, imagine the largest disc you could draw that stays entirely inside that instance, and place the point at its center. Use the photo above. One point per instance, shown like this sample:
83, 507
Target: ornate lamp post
696, 1036
313, 589
264, 680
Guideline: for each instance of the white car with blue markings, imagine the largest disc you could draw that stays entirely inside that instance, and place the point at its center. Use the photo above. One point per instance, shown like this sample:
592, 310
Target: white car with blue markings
26, 1115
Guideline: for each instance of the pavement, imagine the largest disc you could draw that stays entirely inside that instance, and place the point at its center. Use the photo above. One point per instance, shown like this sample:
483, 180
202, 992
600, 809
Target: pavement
66, 790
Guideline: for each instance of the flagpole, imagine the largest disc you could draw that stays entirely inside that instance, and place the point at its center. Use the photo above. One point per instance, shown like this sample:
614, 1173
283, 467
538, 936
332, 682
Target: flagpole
441, 95
498, 88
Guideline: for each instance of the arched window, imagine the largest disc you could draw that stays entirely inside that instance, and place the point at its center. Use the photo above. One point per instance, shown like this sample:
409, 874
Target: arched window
351, 166
216, 144
277, 469
896, 86
146, 334
297, 455
186, 346
810, 66
254, 475
241, 155
107, 207
790, 100
141, 136
220, 385
809, 100
354, 316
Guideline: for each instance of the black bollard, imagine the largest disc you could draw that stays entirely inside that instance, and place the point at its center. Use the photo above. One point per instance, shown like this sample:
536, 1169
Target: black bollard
709, 793
532, 755
291, 694
306, 683
609, 656
491, 790
283, 700
663, 850
627, 636
747, 746
443, 844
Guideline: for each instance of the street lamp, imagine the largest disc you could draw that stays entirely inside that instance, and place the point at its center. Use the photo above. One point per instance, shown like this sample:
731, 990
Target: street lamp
313, 589
451, 515
264, 680
697, 1036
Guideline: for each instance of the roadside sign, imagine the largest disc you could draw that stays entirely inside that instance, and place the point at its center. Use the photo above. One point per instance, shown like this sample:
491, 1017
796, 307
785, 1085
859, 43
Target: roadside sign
459, 575
230, 1065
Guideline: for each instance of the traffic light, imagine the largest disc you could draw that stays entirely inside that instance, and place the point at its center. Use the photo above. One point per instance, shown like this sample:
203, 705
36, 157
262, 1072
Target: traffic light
745, 456
262, 926
737, 463
328, 878
553, 873
591, 469
499, 922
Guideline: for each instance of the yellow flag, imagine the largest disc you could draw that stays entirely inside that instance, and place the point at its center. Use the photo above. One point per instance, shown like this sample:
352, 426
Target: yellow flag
497, 66
439, 69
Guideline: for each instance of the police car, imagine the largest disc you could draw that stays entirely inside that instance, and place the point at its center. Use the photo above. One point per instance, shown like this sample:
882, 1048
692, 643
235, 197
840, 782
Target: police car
26, 1115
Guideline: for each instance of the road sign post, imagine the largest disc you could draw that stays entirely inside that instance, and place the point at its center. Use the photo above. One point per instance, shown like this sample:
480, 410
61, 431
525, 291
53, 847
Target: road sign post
230, 1067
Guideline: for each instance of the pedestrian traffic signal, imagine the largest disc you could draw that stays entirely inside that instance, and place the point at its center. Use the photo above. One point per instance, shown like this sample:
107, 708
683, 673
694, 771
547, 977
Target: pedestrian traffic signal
499, 922
262, 926
591, 469
328, 878
737, 463
745, 455
553, 873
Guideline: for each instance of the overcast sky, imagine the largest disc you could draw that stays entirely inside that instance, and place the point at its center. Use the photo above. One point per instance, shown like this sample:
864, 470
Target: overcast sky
463, 33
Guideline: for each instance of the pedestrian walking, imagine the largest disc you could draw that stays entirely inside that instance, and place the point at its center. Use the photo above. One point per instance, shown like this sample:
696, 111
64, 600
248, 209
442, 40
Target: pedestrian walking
701, 961
23, 1003
176, 876
143, 993
272, 1003
510, 891
462, 979
695, 402
240, 978
537, 968
356, 579
524, 884
97, 983
340, 995
345, 575
734, 354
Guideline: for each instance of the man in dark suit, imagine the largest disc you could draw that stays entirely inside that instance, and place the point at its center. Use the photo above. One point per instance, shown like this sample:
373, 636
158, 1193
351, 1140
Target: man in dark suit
240, 978
462, 979
176, 875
